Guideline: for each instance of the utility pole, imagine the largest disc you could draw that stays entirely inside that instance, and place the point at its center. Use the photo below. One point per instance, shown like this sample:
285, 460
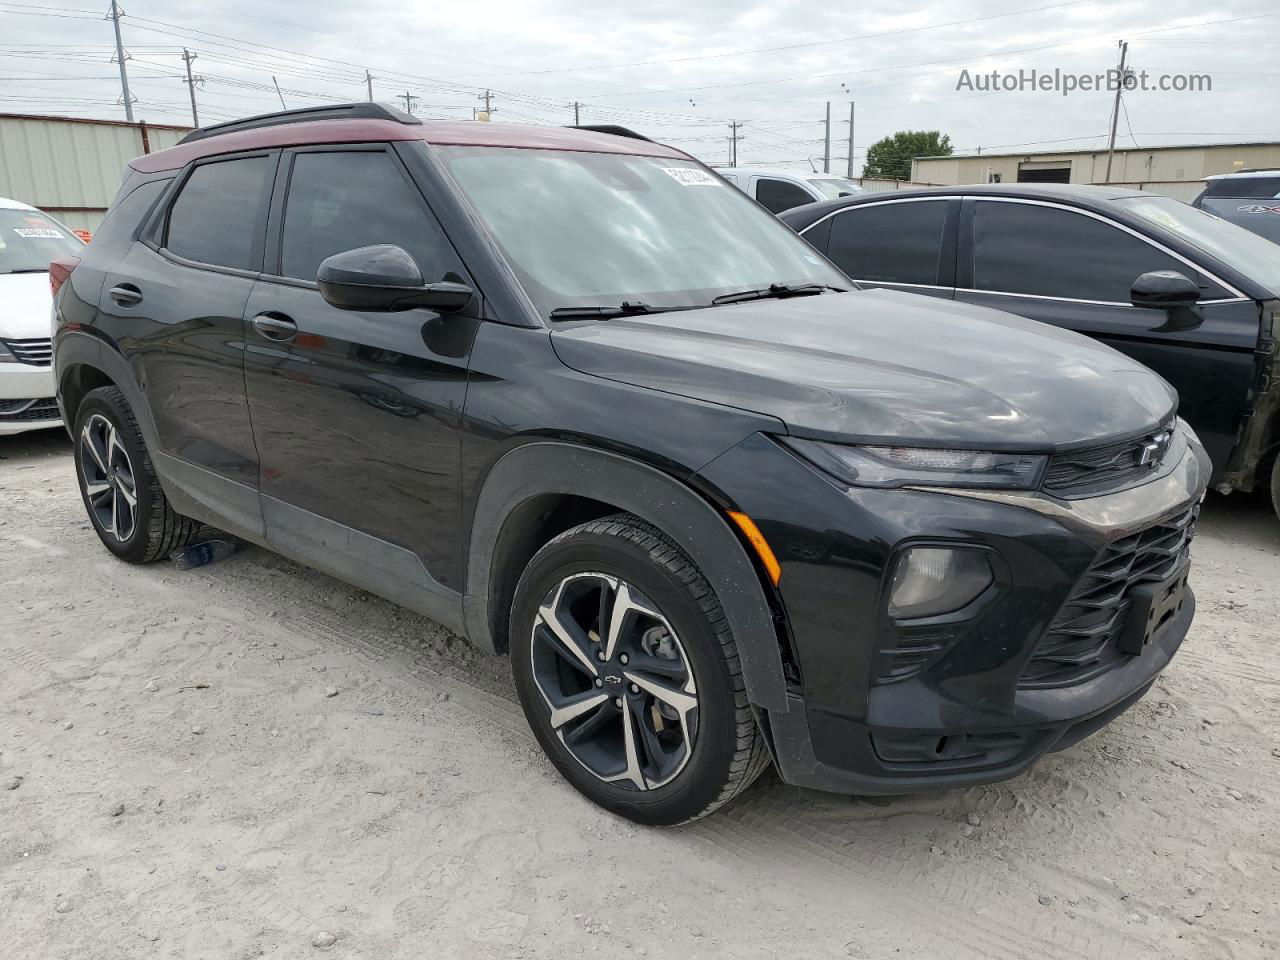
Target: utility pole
408, 101
1115, 109
849, 166
826, 147
191, 82
114, 16
576, 106
734, 137
488, 111
368, 83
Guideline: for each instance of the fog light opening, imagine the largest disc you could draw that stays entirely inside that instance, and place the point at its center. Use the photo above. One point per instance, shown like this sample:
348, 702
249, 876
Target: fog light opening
930, 581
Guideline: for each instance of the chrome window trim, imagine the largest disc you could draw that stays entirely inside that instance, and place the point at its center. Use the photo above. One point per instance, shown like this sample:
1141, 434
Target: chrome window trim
899, 283
1119, 226
1100, 303
1237, 298
878, 203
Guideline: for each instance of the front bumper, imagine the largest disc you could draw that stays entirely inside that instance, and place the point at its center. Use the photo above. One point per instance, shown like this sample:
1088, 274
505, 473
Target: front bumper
21, 382
968, 716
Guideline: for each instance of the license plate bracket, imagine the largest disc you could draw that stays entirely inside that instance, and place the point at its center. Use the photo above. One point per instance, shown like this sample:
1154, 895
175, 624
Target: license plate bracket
1152, 606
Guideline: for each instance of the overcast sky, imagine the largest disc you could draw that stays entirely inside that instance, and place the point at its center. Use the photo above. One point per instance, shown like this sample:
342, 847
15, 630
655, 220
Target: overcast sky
677, 71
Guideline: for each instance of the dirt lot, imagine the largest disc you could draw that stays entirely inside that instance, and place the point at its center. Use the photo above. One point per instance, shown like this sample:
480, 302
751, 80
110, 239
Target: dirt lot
175, 781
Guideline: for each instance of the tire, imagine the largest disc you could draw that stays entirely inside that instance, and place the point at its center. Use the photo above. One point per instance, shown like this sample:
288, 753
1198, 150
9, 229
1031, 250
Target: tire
683, 760
112, 465
1275, 486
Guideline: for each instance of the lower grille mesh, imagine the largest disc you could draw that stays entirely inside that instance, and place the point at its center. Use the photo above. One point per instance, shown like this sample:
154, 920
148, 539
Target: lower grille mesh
1083, 639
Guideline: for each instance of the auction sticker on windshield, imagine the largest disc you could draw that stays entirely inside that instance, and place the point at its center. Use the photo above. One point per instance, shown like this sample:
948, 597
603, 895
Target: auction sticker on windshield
34, 233
691, 177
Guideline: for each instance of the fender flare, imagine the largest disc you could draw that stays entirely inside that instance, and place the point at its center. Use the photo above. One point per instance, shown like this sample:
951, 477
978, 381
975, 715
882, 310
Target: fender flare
543, 468
83, 349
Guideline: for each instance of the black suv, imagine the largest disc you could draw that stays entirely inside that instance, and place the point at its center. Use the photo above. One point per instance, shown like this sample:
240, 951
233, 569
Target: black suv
572, 395
1193, 297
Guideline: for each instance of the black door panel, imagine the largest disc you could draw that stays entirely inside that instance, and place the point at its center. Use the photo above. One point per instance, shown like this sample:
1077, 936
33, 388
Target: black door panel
185, 338
357, 415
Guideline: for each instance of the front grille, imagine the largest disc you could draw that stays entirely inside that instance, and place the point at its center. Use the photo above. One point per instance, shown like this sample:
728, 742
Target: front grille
1083, 639
37, 352
1108, 468
29, 411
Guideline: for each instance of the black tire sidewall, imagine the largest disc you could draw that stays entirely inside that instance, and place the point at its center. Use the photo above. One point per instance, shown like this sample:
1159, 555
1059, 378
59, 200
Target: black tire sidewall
107, 402
707, 770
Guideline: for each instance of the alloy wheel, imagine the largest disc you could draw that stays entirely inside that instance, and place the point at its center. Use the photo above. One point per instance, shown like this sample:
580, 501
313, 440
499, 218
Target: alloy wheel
616, 680
110, 487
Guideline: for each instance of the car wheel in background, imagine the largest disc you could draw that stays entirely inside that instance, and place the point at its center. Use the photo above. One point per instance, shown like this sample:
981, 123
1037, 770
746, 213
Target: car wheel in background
119, 487
629, 675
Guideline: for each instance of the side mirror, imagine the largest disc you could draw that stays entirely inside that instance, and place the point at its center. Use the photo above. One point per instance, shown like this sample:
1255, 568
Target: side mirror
384, 278
1164, 290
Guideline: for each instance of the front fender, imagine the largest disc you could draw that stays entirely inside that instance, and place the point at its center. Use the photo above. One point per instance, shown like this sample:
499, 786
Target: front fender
549, 467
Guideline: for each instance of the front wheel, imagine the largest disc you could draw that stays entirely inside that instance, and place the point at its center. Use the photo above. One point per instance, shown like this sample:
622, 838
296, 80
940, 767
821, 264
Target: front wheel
119, 487
629, 675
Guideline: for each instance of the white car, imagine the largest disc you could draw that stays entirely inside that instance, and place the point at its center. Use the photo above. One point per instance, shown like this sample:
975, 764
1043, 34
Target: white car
778, 190
29, 239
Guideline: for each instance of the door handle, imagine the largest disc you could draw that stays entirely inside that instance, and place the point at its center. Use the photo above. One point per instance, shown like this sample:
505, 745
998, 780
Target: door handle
275, 327
126, 294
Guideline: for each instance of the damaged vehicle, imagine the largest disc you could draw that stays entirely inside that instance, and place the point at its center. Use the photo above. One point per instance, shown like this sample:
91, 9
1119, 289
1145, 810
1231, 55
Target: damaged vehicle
1192, 296
573, 396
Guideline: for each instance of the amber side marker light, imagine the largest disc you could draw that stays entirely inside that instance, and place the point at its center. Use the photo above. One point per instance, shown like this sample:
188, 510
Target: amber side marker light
763, 551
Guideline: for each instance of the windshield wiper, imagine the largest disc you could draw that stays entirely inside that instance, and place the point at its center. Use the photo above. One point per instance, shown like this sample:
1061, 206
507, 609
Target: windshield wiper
626, 308
777, 291
27, 270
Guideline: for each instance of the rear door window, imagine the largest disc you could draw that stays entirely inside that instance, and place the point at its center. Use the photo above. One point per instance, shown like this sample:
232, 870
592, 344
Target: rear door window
342, 200
778, 195
890, 242
1050, 252
216, 216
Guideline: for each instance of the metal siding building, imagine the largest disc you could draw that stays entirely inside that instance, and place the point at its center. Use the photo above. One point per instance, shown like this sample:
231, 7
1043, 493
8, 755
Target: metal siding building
71, 168
1171, 171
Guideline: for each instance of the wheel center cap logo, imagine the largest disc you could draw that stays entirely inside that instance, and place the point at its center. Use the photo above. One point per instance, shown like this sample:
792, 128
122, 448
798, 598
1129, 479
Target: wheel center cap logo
613, 681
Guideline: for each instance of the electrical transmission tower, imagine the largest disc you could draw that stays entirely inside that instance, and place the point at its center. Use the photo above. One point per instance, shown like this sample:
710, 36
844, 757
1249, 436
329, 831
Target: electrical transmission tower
191, 82
114, 15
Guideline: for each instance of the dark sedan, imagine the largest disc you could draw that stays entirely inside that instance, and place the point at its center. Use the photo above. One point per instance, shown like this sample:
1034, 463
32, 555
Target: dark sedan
1186, 293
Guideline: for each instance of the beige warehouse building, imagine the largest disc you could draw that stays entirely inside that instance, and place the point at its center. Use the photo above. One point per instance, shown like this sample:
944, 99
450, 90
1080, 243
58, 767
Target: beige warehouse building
71, 168
1172, 171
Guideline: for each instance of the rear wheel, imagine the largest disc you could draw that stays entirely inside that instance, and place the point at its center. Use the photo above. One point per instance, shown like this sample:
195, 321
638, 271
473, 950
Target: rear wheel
119, 487
629, 676
1275, 486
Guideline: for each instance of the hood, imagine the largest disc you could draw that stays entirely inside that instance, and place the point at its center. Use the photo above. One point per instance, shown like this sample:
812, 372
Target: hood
25, 304
880, 365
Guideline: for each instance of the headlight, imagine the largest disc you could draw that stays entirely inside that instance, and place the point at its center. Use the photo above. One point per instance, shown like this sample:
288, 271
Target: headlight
878, 466
929, 581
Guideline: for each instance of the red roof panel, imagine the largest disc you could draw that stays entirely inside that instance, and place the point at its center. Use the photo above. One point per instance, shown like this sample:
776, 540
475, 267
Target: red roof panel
453, 132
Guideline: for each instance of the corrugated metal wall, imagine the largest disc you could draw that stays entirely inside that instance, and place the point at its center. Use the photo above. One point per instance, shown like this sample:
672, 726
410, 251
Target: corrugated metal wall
72, 168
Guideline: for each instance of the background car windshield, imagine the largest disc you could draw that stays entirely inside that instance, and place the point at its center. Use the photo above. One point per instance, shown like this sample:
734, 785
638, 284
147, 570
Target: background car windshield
589, 228
1257, 216
834, 189
1256, 258
29, 240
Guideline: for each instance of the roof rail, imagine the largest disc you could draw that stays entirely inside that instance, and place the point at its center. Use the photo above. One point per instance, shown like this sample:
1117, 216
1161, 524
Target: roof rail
612, 130
336, 111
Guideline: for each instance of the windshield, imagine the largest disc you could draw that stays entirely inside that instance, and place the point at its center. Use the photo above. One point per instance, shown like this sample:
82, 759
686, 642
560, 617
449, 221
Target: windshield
1257, 259
585, 229
1257, 216
29, 240
836, 188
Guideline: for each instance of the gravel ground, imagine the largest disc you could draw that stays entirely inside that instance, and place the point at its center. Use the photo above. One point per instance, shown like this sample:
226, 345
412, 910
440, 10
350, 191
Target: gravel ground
179, 778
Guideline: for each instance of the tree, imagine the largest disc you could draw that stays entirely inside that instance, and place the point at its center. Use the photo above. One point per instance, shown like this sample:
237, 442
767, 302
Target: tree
891, 157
